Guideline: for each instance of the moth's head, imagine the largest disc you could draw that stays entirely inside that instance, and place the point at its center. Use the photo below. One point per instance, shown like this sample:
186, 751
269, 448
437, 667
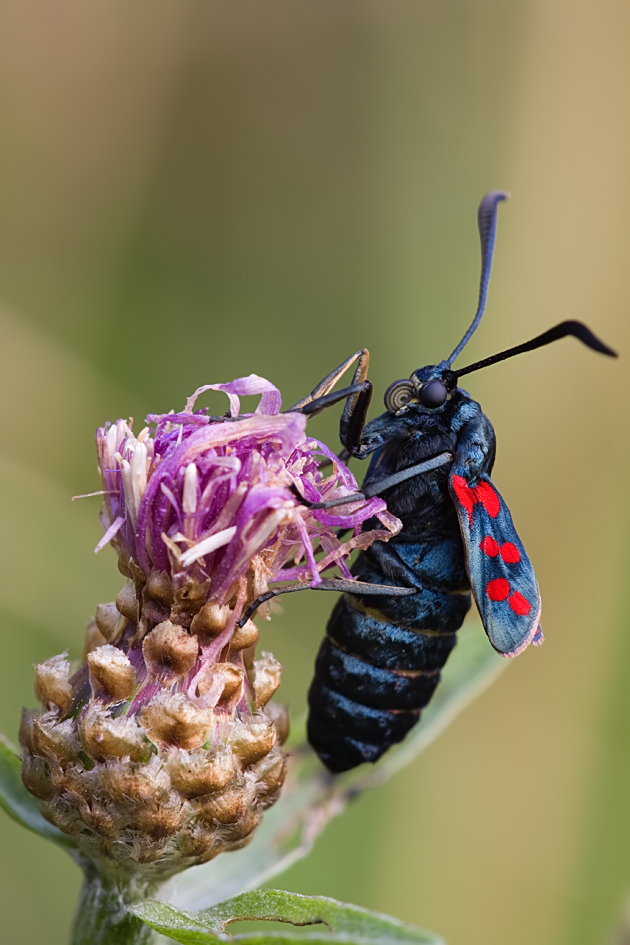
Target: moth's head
429, 390
433, 389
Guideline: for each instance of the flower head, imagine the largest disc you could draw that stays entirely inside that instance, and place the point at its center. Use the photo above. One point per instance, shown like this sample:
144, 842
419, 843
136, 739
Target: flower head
163, 749
200, 497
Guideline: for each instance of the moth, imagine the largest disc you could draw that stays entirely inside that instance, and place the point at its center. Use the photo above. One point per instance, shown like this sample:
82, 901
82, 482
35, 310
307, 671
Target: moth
431, 457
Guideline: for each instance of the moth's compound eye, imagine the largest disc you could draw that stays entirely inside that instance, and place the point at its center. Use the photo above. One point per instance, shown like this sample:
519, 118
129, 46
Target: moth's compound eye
433, 394
398, 395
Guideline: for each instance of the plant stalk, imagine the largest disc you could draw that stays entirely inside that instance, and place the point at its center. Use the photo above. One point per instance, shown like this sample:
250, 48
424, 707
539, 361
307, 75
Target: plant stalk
101, 916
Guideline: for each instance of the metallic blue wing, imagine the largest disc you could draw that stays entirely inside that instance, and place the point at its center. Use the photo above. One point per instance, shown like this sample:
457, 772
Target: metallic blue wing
501, 575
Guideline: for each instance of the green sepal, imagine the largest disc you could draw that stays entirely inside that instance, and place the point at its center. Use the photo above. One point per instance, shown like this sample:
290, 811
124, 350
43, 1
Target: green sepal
336, 923
18, 803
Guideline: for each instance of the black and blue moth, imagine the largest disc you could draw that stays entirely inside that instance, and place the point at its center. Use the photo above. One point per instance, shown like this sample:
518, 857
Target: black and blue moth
432, 454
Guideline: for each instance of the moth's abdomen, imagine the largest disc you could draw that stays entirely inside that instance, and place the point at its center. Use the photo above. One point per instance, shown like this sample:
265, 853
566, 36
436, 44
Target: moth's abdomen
371, 685
377, 669
347, 733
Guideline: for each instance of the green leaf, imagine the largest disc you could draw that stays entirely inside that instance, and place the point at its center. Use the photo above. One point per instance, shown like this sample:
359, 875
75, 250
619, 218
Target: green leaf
337, 922
312, 797
18, 803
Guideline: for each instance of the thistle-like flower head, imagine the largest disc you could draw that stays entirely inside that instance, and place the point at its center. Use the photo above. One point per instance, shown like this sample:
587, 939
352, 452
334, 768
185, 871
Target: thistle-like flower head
198, 498
162, 749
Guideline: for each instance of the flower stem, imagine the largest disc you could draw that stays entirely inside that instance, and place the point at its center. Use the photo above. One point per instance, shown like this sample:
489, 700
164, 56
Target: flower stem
101, 916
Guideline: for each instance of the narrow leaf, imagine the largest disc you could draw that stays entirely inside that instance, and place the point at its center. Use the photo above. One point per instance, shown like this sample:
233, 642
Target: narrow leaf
312, 797
336, 922
18, 803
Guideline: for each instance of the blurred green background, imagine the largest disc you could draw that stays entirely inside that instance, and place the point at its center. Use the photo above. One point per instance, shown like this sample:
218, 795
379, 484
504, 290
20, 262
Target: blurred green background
192, 190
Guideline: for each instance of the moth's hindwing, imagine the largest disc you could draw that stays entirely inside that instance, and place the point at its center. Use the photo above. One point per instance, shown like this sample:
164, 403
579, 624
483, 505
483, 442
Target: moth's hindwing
501, 575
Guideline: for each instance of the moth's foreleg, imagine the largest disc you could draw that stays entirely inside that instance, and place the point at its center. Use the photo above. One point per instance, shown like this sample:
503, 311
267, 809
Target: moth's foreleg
326, 385
355, 412
328, 400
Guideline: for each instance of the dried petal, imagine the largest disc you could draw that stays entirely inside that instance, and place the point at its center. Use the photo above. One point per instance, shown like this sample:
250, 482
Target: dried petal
112, 676
211, 620
140, 784
160, 820
55, 740
25, 732
169, 651
105, 737
160, 586
200, 842
36, 777
107, 617
252, 739
174, 720
238, 835
93, 638
127, 601
245, 636
200, 772
266, 678
52, 682
232, 677
270, 773
279, 714
228, 806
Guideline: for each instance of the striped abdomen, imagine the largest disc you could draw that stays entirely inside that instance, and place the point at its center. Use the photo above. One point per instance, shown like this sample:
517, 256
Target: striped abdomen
380, 661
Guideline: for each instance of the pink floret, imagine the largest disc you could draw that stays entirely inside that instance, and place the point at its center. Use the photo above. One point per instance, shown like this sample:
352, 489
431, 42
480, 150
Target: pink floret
208, 499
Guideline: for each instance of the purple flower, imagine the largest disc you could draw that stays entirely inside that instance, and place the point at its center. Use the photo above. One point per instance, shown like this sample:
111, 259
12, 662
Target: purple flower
163, 749
205, 499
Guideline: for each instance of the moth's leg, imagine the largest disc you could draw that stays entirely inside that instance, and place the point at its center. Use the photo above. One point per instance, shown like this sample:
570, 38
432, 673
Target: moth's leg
382, 485
327, 400
324, 387
355, 412
287, 589
353, 422
339, 585
391, 564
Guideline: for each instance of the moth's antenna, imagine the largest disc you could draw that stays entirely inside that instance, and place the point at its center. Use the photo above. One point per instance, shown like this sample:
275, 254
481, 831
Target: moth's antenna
577, 329
487, 220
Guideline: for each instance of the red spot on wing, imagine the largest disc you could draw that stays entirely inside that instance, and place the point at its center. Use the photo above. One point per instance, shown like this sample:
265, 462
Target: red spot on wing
465, 495
489, 546
485, 494
519, 605
499, 590
510, 553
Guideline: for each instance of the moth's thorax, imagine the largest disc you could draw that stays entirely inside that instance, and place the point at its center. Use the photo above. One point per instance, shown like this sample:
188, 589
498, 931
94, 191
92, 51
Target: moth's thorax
414, 422
411, 436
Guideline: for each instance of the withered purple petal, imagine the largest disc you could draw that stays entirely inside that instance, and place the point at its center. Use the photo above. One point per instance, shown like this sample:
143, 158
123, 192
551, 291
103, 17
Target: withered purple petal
192, 476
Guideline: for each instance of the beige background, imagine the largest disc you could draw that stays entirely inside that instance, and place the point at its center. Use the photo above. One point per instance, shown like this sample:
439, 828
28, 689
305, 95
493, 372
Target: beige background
191, 191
